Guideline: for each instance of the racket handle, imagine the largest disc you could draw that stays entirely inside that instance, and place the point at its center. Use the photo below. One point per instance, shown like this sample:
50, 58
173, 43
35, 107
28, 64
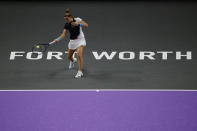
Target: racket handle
51, 43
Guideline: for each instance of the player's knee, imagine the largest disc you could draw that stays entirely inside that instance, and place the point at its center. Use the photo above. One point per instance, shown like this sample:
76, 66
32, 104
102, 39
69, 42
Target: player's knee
79, 55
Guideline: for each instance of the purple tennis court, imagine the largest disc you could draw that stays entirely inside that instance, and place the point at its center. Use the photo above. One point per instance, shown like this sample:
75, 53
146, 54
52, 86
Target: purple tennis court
98, 111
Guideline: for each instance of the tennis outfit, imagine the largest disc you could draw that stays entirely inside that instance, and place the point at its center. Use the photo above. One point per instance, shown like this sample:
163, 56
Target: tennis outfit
76, 35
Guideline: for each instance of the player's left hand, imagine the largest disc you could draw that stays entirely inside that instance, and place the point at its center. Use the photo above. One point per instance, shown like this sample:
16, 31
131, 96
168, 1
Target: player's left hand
75, 23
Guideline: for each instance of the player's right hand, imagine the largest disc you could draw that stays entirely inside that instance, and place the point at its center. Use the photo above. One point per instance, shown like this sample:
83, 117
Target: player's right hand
55, 41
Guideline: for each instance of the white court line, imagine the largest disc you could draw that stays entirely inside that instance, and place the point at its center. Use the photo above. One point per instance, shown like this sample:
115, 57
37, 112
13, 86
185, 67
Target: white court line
98, 90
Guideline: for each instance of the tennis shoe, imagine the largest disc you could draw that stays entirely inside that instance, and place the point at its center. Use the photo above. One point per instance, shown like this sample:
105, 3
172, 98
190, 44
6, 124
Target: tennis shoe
79, 74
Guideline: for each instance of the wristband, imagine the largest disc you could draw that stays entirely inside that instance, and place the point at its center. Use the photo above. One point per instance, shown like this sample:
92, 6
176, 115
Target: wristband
81, 25
59, 38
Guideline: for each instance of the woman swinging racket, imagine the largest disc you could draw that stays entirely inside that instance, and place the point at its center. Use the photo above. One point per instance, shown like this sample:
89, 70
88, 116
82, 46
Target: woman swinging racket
77, 40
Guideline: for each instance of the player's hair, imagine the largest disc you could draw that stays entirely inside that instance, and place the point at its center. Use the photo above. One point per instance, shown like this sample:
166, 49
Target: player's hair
68, 12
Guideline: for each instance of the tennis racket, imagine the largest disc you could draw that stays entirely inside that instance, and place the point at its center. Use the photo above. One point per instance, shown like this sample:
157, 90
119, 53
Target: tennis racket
41, 47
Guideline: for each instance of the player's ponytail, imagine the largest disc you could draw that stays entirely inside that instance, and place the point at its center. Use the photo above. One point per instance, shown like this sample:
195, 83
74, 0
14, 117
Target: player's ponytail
67, 10
67, 13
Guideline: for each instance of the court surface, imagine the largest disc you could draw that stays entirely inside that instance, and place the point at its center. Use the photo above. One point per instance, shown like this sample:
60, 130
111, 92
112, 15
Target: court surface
96, 111
126, 26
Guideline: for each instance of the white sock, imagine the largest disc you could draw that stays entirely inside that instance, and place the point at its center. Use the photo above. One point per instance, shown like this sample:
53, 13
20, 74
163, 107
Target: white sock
80, 71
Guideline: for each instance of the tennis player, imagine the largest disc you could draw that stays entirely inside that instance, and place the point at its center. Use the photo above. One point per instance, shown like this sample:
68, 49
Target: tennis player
77, 40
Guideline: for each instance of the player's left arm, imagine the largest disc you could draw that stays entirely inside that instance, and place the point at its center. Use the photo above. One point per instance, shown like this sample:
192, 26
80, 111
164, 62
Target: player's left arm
85, 24
79, 22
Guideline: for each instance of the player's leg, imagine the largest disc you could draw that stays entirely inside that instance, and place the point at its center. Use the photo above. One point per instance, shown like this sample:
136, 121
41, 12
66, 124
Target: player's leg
80, 61
70, 57
70, 54
80, 57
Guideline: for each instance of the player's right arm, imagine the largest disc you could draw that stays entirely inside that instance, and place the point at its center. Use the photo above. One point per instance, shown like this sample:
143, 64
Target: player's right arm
61, 36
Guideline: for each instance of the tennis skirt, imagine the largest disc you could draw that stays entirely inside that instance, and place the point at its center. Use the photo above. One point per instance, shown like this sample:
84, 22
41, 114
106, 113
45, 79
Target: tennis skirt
74, 44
